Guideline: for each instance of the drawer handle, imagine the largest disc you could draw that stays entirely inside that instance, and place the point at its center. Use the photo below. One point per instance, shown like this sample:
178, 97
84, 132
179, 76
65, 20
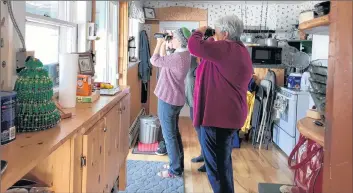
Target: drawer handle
105, 129
123, 107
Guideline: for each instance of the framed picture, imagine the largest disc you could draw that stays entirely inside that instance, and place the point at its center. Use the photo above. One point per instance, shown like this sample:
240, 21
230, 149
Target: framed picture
149, 13
85, 63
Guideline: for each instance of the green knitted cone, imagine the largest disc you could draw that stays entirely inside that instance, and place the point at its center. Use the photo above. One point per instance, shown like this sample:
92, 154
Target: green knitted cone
35, 109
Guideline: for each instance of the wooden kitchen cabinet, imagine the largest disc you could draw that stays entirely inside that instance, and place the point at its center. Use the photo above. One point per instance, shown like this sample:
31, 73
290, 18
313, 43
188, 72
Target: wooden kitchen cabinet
105, 147
93, 162
112, 135
86, 153
124, 127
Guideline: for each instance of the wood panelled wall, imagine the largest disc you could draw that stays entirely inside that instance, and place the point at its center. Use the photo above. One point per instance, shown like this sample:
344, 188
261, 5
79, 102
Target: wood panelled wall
338, 136
128, 75
123, 58
135, 89
169, 14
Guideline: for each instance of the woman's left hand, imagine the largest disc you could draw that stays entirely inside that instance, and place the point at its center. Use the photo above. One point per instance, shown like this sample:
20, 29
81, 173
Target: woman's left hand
161, 41
202, 29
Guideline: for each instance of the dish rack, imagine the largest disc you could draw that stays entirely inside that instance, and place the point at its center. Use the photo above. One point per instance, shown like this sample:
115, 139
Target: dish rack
318, 80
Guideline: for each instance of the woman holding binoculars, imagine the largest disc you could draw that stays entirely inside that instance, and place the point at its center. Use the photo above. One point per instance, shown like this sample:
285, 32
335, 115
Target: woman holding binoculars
170, 91
220, 106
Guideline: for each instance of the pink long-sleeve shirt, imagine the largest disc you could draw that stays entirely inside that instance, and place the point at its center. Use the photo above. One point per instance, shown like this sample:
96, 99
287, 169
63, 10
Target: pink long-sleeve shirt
170, 87
221, 82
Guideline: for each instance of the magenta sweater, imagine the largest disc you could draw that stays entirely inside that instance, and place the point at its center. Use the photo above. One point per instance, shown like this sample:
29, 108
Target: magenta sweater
170, 86
221, 82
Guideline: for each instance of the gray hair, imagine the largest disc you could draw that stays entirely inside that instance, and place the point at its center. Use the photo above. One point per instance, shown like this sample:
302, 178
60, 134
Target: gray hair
231, 24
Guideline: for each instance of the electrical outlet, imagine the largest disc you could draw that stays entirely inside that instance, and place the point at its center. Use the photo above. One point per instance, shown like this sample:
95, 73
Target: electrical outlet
20, 59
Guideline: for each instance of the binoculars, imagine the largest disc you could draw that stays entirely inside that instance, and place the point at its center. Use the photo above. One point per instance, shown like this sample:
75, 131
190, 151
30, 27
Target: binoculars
209, 32
165, 36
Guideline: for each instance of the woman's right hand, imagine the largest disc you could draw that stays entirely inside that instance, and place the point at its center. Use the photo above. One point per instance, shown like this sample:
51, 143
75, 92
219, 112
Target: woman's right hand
160, 41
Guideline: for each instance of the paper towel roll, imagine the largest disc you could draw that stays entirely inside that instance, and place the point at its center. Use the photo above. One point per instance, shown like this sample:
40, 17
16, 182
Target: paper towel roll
68, 65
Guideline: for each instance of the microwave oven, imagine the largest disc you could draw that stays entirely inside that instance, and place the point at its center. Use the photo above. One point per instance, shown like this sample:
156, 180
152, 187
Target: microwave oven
265, 55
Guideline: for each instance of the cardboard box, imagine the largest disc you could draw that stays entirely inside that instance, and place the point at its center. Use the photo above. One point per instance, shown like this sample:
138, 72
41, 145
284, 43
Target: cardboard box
84, 85
88, 99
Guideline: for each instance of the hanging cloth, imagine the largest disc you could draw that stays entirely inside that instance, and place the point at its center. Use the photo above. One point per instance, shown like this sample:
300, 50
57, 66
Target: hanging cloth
250, 98
145, 67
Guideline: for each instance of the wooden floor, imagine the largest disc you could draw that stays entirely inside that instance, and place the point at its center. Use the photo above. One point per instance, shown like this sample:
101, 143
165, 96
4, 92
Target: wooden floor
250, 166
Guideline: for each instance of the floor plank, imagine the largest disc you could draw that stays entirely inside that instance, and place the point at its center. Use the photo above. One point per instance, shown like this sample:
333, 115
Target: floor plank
250, 166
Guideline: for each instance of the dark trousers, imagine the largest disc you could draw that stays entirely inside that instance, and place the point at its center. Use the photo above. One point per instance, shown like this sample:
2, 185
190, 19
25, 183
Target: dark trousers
198, 130
216, 144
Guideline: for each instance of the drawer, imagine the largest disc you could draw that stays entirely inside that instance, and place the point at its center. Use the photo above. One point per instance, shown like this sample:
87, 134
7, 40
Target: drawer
285, 142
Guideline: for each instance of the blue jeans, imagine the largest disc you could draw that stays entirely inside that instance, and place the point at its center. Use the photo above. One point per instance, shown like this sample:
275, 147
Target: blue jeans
216, 145
169, 117
198, 130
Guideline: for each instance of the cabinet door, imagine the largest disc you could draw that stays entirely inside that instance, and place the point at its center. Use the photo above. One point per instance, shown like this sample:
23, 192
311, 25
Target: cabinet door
124, 127
111, 146
93, 152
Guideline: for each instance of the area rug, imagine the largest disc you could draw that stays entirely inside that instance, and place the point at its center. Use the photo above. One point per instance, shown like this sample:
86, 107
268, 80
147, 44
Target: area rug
142, 178
147, 149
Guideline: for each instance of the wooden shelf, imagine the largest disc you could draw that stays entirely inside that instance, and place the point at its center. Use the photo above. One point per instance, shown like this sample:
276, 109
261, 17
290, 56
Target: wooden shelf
29, 149
319, 25
307, 128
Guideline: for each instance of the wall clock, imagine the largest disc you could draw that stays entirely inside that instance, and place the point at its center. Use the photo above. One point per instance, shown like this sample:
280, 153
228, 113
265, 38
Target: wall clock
149, 13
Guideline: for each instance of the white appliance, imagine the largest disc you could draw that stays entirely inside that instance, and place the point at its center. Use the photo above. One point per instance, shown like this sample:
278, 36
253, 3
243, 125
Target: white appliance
91, 31
285, 132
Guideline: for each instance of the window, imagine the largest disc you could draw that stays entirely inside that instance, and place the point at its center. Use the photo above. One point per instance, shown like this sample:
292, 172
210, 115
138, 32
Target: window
44, 40
107, 46
44, 8
49, 32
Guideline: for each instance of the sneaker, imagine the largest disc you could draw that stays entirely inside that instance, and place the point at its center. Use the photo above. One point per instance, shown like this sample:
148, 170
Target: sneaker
162, 149
202, 168
197, 159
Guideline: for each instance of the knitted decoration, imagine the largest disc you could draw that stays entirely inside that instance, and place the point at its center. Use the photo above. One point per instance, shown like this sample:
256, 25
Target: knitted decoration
35, 109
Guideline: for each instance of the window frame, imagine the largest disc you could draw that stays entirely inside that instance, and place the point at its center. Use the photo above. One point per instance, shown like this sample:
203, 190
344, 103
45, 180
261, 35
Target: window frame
46, 21
64, 23
109, 36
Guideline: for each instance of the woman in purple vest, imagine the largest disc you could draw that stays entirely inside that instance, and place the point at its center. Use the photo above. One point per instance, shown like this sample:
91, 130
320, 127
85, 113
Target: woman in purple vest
220, 106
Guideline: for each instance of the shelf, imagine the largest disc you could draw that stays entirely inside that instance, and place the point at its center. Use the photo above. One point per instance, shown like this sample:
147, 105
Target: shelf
273, 66
319, 25
256, 31
307, 128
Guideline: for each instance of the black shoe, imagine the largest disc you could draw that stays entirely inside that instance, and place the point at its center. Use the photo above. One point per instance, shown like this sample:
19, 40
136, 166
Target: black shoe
202, 168
198, 159
162, 149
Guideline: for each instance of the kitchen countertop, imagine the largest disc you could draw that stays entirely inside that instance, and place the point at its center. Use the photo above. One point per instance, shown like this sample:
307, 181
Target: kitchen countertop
28, 149
307, 128
268, 66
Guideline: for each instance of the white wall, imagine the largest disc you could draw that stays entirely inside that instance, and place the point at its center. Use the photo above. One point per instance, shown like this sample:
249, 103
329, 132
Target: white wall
320, 47
11, 43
